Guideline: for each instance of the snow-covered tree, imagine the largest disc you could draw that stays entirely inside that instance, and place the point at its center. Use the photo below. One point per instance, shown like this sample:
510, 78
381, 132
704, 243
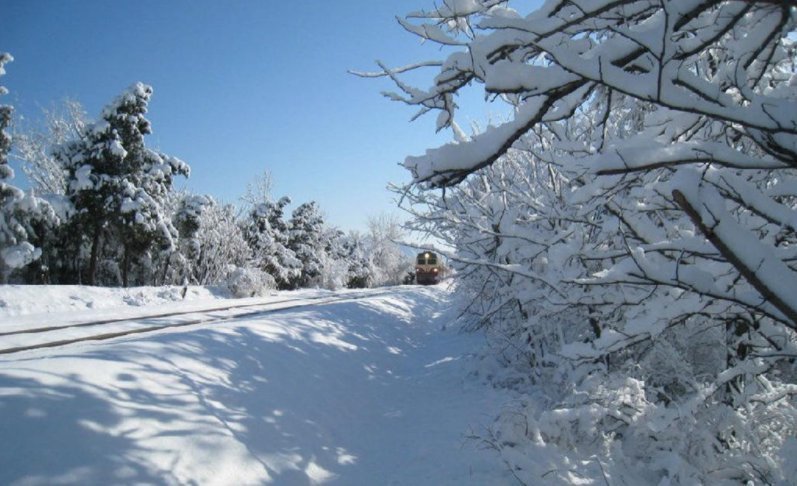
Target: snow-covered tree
720, 100
306, 240
15, 251
118, 186
32, 146
222, 244
258, 191
334, 260
23, 217
188, 222
665, 220
390, 264
267, 234
178, 267
360, 272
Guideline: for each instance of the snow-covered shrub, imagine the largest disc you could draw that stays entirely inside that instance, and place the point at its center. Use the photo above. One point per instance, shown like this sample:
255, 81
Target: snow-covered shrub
610, 425
221, 243
641, 199
335, 273
389, 264
248, 282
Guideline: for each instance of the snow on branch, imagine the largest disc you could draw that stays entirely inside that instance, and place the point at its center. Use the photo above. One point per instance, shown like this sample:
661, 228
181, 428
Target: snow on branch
771, 277
652, 155
451, 163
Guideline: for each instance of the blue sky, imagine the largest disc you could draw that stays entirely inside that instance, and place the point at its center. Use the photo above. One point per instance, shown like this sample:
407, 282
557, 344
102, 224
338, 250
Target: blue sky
240, 87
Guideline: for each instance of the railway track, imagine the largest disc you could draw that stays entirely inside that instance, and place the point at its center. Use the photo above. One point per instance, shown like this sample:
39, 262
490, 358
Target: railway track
101, 330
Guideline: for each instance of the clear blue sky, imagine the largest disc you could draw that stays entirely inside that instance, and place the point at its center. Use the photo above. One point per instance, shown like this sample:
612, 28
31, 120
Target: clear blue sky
240, 87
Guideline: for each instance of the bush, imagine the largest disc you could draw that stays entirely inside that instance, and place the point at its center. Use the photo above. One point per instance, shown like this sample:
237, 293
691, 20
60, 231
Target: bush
248, 282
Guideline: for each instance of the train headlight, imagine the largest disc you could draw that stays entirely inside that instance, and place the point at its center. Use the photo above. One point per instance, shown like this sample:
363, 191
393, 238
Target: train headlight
434, 270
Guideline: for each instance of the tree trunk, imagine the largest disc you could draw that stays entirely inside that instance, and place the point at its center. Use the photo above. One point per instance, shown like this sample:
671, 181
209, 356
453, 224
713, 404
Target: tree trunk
165, 271
95, 253
126, 267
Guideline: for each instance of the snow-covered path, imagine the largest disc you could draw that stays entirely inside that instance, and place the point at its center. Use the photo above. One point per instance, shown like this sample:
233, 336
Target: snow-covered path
365, 392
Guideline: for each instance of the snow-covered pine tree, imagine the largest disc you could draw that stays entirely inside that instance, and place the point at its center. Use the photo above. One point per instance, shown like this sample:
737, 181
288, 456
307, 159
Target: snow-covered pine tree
267, 234
118, 185
187, 210
188, 220
306, 241
23, 217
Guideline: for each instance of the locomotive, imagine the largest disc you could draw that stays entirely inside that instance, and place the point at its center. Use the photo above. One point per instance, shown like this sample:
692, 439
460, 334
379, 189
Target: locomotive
429, 268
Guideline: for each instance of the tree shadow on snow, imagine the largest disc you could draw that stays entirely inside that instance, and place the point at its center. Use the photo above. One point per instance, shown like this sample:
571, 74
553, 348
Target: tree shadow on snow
298, 398
54, 434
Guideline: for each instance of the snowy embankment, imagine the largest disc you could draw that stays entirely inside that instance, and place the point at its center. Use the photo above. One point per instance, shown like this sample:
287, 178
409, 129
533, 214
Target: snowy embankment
19, 300
370, 391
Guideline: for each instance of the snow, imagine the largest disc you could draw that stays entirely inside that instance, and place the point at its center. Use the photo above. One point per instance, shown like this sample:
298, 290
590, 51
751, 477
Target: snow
358, 392
116, 148
44, 301
4, 58
82, 179
18, 256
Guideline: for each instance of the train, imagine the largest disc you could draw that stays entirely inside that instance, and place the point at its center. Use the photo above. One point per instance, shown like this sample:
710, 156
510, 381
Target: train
429, 268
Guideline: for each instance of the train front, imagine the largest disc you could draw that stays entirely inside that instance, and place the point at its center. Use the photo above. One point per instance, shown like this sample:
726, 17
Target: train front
427, 268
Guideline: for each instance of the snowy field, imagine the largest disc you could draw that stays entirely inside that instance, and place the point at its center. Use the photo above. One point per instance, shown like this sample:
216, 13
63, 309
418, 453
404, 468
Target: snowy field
367, 391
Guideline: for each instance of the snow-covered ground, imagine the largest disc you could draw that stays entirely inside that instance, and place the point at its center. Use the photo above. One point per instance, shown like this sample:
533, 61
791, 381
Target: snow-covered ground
369, 391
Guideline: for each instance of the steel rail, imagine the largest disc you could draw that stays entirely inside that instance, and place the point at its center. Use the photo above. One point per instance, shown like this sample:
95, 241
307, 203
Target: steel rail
148, 316
204, 320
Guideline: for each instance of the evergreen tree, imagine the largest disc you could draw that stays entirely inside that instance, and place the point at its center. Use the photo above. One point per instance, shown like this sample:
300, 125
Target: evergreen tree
118, 186
267, 234
187, 219
306, 241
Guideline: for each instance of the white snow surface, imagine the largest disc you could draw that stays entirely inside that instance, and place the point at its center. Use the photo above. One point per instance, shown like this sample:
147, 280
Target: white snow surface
54, 300
378, 390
